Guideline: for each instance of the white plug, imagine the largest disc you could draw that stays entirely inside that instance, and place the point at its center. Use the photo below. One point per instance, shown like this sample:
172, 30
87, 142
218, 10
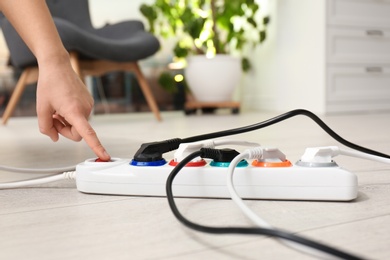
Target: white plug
273, 154
266, 153
188, 148
320, 154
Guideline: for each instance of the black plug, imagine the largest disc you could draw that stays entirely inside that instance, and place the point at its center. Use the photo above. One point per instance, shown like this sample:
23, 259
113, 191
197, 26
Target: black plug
220, 155
151, 152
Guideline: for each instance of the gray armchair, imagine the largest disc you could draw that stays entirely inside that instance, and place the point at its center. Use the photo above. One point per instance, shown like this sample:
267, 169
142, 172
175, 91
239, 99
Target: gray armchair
93, 51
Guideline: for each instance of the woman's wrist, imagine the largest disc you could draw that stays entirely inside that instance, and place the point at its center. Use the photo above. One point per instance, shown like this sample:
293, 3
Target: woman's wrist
53, 59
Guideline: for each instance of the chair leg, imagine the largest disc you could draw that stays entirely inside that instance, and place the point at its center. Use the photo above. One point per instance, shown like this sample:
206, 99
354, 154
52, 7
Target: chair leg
147, 92
29, 75
74, 60
99, 67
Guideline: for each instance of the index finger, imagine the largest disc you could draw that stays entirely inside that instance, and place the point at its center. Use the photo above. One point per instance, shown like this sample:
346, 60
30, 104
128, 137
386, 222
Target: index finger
89, 135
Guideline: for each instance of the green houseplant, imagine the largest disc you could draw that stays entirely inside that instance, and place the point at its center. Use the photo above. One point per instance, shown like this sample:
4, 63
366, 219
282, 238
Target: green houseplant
208, 27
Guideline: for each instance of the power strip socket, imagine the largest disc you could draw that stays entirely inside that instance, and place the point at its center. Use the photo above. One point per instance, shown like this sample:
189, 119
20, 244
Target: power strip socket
295, 182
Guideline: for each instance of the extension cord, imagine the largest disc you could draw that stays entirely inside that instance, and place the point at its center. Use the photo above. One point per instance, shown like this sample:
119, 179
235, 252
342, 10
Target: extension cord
293, 182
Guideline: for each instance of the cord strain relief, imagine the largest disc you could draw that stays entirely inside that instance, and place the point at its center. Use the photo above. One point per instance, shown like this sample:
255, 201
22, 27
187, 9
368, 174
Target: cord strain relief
69, 175
220, 155
172, 144
209, 144
255, 153
210, 153
150, 152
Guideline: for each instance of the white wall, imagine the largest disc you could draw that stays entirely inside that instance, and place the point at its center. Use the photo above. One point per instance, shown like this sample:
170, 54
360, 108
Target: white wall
290, 65
103, 11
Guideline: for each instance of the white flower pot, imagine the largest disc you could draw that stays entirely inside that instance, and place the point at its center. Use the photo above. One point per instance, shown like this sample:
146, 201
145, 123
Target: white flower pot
213, 79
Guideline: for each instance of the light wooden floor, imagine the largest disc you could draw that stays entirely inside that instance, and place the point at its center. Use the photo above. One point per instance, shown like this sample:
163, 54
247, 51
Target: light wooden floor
55, 221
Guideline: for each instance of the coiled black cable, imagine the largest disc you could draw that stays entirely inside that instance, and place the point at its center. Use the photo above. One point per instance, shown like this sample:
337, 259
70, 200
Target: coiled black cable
242, 230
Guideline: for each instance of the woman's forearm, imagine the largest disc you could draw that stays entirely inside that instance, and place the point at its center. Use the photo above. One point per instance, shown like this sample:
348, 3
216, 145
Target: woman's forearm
33, 22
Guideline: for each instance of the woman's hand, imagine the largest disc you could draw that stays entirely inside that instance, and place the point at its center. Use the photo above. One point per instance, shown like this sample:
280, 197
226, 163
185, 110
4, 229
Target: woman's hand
64, 105
63, 102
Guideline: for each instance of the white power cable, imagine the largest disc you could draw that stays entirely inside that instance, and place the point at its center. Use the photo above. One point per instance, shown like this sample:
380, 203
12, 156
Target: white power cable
236, 198
31, 170
326, 153
257, 153
71, 175
366, 156
235, 142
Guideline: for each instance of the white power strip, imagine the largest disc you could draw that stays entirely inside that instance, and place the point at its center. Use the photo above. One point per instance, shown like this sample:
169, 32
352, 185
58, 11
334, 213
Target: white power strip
118, 177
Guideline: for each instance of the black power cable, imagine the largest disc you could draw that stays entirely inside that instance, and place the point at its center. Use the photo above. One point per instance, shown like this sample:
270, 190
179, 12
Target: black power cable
205, 153
279, 119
